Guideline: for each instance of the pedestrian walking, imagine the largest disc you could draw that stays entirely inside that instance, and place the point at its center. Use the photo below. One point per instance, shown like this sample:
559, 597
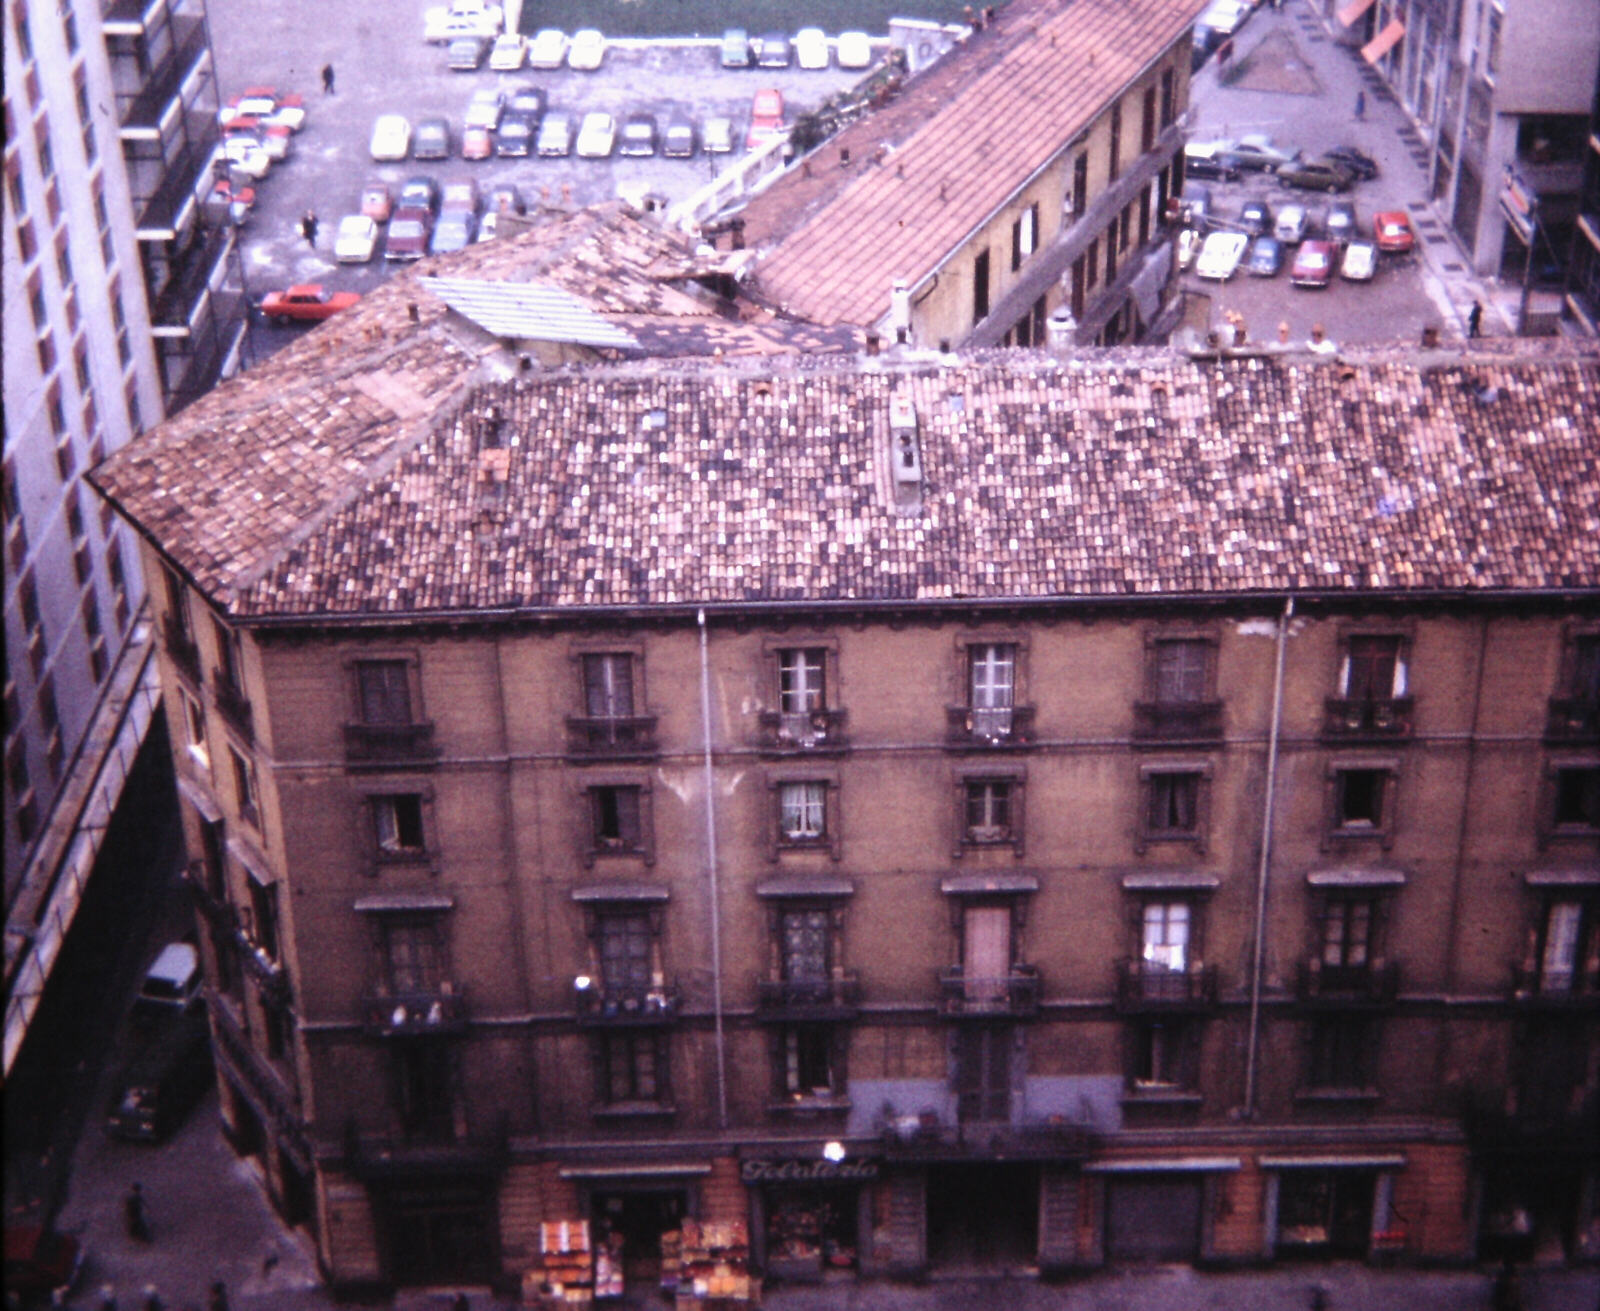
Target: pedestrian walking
135, 1214
1475, 319
308, 227
1361, 105
1507, 1295
152, 1299
218, 1301
108, 1298
327, 79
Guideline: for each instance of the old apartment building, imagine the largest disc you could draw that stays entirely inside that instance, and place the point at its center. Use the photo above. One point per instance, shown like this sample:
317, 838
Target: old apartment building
944, 814
1022, 175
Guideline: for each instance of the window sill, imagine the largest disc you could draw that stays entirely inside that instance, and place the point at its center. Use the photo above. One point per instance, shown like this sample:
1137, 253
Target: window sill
1336, 1096
402, 860
1163, 1096
800, 1107
635, 1111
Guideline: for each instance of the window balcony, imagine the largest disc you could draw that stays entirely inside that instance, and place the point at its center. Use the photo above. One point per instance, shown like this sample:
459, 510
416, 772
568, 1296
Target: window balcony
622, 737
404, 1156
1576, 989
1143, 987
231, 701
1573, 721
1347, 987
411, 1014
598, 1004
797, 1000
1015, 996
383, 745
1174, 722
1380, 720
182, 648
816, 732
927, 1137
970, 729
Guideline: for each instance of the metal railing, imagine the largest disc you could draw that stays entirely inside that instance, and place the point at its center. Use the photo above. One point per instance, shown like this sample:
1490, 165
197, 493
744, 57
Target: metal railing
1013, 995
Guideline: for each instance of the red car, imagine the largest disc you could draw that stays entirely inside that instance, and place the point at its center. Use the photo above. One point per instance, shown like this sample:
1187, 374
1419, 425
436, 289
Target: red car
410, 230
766, 117
310, 302
376, 201
1394, 232
39, 1263
477, 143
1313, 264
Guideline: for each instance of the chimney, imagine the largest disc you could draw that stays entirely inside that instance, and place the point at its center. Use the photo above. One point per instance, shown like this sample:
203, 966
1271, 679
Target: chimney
872, 343
900, 310
844, 156
904, 458
1061, 330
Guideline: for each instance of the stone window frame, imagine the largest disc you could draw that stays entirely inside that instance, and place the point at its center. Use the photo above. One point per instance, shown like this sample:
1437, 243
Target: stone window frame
1336, 832
1146, 835
633, 648
369, 795
1550, 830
832, 839
587, 790
410, 657
1016, 776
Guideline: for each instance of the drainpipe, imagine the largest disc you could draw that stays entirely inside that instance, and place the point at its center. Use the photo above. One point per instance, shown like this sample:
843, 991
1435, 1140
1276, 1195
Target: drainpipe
711, 877
1259, 952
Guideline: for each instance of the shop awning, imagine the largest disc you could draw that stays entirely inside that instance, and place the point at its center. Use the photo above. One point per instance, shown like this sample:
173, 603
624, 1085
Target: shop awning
1176, 880
1345, 877
648, 1169
1384, 42
1388, 1161
1574, 876
1164, 1165
1353, 11
972, 885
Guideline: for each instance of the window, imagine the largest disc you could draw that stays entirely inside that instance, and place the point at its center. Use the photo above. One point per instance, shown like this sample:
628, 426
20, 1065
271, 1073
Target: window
213, 861
633, 1067
425, 1080
194, 728
1347, 925
1577, 799
383, 692
1172, 804
1116, 141
802, 812
616, 818
1165, 936
626, 948
397, 826
986, 952
982, 1068
413, 954
1147, 128
980, 287
1111, 252
1374, 669
803, 938
1181, 669
991, 687
1340, 1055
1166, 1054
263, 928
1575, 709
1568, 942
1359, 800
804, 718
1080, 186
608, 686
229, 665
988, 810
1169, 100
244, 787
809, 1061
1024, 236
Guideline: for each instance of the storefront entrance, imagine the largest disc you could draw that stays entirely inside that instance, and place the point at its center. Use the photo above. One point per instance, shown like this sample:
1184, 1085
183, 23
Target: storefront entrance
637, 1218
1325, 1213
1154, 1217
443, 1232
983, 1217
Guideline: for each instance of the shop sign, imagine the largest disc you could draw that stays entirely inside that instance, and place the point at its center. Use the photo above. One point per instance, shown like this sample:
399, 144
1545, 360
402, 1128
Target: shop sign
1518, 201
762, 1170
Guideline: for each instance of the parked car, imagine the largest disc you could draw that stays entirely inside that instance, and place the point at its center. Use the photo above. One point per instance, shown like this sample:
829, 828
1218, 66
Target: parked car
526, 98
245, 155
811, 48
355, 240
1313, 264
275, 139
228, 203
1188, 247
1360, 261
376, 201
391, 137
773, 51
1225, 17
1290, 227
1209, 159
597, 135
735, 49
1354, 161
639, 135
1255, 217
1220, 254
587, 51
717, 139
1260, 153
548, 48
419, 192
1394, 232
1316, 175
458, 197
555, 135
407, 238
466, 54
1266, 257
1339, 224
505, 197
485, 107
41, 1266
1195, 205
164, 1080
172, 983
431, 140
460, 18
477, 143
453, 232
509, 52
766, 117
855, 50
309, 302
266, 106
677, 142
515, 135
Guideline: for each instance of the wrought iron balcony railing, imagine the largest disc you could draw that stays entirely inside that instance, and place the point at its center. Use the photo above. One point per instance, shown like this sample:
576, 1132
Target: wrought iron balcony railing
620, 737
1014, 995
1363, 719
984, 728
1376, 983
599, 1004
390, 744
821, 999
814, 731
1146, 986
1177, 721
411, 1014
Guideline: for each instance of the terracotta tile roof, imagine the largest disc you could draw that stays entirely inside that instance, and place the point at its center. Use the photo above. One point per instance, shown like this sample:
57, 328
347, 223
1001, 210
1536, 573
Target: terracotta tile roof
668, 483
961, 138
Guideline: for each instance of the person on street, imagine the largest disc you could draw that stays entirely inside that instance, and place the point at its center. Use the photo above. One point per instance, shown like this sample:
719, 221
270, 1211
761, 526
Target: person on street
1361, 105
108, 1298
308, 228
327, 79
1475, 319
135, 1215
152, 1299
218, 1301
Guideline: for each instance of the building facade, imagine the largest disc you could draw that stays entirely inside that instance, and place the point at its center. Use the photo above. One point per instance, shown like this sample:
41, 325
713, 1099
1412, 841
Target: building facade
1024, 174
832, 797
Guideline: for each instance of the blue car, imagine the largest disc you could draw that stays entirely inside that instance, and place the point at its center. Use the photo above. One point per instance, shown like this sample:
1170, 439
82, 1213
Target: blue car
1266, 257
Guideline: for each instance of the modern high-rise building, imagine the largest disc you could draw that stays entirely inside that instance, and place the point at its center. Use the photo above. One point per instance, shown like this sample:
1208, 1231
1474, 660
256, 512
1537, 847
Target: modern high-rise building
116, 313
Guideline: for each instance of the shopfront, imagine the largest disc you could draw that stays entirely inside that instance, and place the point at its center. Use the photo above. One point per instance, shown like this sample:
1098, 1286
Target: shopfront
809, 1216
1160, 1209
983, 1217
629, 1209
1329, 1207
437, 1230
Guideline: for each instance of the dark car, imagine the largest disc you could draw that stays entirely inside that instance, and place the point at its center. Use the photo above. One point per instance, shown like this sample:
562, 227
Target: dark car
1209, 161
1340, 223
1316, 175
639, 135
1265, 258
418, 193
527, 99
409, 230
774, 51
163, 1081
1195, 206
735, 51
454, 231
515, 135
1354, 161
431, 140
679, 140
1255, 216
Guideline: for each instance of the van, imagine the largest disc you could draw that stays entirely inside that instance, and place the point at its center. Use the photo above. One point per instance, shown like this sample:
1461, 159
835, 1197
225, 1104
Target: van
161, 1084
172, 983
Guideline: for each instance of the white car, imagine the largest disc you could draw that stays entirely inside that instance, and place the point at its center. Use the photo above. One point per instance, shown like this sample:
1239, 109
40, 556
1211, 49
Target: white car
1225, 16
391, 137
1220, 255
555, 135
508, 53
356, 239
587, 51
597, 136
717, 136
444, 23
1360, 261
855, 50
485, 108
548, 49
245, 156
811, 48
1291, 225
172, 983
